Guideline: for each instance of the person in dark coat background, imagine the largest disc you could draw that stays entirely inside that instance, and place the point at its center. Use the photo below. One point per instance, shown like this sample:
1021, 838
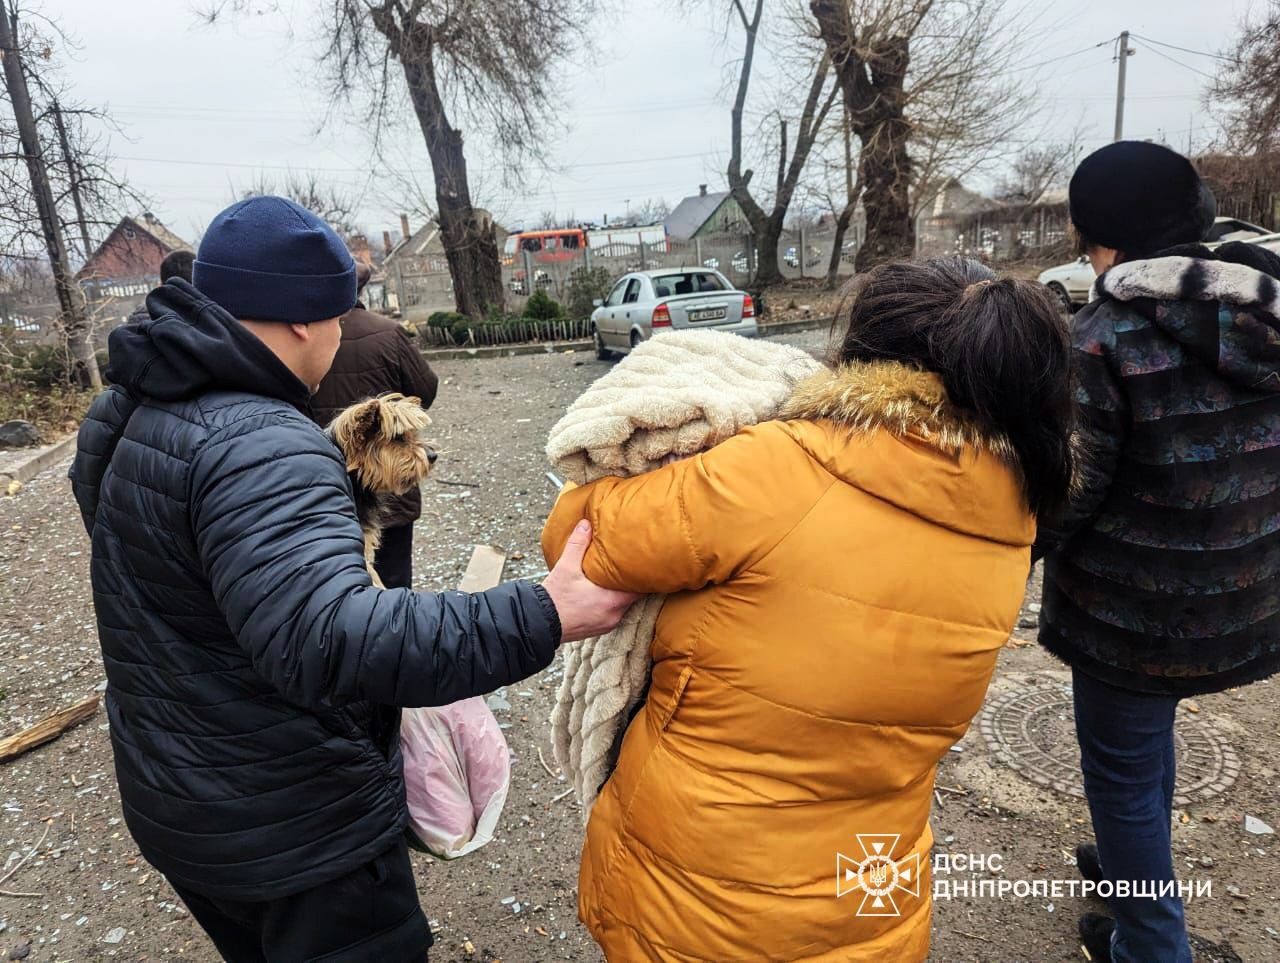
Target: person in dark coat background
1163, 578
176, 264
377, 355
252, 668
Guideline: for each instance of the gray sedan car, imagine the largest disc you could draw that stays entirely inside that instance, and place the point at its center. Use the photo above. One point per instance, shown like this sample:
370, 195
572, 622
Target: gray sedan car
646, 302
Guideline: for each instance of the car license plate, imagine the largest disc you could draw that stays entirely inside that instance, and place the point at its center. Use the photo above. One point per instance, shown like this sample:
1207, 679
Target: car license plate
708, 314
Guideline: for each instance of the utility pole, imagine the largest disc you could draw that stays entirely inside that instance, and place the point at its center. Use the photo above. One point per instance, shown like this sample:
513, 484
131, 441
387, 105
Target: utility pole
1125, 54
73, 176
70, 297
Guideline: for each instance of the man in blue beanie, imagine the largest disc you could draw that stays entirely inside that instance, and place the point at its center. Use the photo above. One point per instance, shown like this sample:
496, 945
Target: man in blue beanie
253, 672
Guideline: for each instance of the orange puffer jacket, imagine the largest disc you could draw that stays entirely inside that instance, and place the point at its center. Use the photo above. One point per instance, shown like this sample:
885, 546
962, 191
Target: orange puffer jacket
840, 585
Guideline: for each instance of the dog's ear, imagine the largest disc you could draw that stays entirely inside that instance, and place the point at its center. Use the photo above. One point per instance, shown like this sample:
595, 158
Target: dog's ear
357, 426
368, 422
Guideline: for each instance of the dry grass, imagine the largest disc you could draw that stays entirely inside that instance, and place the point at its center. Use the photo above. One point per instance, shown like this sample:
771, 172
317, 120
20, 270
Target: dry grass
54, 411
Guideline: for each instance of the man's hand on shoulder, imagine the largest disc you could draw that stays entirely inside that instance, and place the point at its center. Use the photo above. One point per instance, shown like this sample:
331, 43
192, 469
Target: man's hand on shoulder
586, 610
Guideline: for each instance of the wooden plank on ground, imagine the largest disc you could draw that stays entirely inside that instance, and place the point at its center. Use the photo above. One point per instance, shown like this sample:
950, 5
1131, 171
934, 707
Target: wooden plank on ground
47, 729
484, 571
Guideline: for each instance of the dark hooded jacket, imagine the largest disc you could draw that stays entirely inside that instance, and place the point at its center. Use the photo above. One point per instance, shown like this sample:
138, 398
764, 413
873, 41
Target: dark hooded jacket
1166, 575
247, 654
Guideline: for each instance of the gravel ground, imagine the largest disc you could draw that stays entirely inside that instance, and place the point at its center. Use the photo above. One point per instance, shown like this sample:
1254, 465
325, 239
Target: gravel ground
95, 898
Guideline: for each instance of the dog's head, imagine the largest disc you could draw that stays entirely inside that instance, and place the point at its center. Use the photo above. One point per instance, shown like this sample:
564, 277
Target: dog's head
382, 443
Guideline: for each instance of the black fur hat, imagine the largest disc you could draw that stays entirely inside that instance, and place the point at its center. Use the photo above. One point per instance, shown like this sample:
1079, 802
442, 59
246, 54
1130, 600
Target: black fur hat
1140, 198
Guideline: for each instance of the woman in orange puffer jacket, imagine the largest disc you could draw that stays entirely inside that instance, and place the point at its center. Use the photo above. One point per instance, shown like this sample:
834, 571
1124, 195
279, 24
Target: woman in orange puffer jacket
840, 583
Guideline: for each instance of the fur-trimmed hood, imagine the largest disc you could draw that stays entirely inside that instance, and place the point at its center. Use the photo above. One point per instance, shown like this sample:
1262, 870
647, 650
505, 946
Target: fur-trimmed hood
896, 398
1221, 305
890, 430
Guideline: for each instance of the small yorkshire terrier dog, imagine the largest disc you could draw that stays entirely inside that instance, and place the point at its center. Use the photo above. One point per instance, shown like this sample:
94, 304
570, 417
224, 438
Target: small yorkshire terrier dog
385, 457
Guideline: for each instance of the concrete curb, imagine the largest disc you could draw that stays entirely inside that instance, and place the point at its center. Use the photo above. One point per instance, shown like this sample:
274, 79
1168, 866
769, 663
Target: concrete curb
799, 324
506, 350
27, 469
567, 347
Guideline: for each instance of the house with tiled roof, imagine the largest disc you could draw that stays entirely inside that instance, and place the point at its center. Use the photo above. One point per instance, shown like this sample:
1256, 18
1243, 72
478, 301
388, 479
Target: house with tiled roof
127, 263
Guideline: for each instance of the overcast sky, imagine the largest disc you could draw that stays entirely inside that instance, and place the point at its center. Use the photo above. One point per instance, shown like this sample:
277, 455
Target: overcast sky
646, 106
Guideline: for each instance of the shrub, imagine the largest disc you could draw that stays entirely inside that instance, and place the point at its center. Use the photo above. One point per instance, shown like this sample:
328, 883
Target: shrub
543, 307
43, 366
497, 318
445, 319
586, 286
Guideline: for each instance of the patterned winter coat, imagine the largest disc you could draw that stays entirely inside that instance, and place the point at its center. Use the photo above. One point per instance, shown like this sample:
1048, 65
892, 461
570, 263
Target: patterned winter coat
1167, 574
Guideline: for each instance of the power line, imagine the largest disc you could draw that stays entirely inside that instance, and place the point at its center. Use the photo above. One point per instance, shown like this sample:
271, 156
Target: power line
364, 170
1198, 53
1194, 70
1054, 60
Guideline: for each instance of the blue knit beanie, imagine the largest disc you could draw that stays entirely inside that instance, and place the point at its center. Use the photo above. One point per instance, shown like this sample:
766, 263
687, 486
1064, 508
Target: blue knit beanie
269, 259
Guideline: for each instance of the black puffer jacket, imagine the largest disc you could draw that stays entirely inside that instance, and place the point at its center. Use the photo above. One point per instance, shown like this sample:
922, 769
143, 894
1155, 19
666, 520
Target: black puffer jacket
244, 645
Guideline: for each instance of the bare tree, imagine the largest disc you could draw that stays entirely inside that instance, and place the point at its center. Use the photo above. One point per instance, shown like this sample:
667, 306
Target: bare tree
492, 64
649, 211
933, 91
335, 204
56, 175
839, 191
1245, 168
1035, 172
767, 225
1248, 84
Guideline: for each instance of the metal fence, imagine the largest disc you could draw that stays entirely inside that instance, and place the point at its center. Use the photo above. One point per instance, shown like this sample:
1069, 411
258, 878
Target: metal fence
1002, 236
427, 289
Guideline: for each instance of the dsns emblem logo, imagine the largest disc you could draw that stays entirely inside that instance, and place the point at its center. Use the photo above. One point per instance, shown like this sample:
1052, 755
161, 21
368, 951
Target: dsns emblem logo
877, 875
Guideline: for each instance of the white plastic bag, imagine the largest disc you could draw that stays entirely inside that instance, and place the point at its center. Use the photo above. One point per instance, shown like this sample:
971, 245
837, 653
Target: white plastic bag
457, 770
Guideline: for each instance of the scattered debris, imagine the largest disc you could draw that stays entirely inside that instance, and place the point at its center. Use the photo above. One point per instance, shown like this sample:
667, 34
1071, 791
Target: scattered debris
47, 729
550, 772
498, 703
31, 852
484, 571
1255, 826
114, 936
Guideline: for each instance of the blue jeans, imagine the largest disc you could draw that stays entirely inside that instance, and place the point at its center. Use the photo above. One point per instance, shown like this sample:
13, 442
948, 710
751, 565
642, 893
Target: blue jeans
1126, 754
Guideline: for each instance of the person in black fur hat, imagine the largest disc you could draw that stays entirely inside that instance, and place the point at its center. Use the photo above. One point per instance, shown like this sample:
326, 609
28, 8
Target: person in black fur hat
1162, 579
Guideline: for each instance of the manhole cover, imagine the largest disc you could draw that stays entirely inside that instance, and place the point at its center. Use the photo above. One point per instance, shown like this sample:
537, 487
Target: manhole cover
1032, 731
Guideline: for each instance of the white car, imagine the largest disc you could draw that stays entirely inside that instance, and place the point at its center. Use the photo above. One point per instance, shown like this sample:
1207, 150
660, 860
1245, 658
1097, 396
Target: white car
1070, 283
646, 302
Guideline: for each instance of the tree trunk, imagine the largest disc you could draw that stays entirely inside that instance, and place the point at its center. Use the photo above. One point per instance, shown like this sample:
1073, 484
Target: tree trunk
885, 171
75, 322
872, 72
470, 246
767, 236
843, 220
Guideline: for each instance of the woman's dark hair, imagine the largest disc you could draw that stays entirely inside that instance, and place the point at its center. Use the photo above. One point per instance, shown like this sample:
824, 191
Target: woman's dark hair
999, 344
1083, 244
177, 265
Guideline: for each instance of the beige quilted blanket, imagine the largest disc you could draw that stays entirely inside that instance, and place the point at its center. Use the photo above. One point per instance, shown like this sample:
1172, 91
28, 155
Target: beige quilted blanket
672, 397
